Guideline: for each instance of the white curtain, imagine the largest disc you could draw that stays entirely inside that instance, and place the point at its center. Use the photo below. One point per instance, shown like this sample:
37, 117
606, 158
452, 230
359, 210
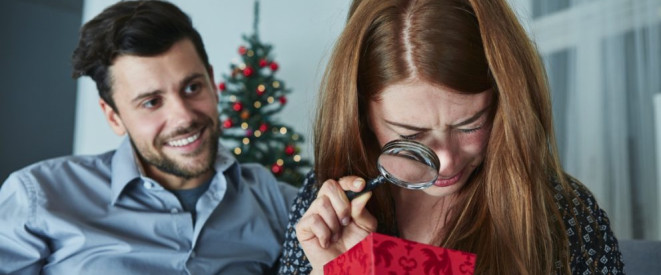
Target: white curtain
603, 58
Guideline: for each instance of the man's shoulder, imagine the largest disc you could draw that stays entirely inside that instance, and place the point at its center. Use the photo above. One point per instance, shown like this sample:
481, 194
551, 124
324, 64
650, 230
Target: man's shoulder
263, 183
63, 169
254, 174
65, 163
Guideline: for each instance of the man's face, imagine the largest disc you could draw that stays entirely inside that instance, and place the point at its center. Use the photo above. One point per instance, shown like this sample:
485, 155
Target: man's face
168, 106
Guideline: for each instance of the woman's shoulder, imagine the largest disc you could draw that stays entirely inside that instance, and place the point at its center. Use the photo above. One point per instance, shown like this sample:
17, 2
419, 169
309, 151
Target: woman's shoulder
307, 192
575, 200
592, 244
578, 206
293, 260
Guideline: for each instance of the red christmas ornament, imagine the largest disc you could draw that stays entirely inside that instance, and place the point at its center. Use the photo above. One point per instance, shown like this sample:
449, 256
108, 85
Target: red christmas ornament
290, 150
260, 92
276, 169
263, 127
274, 66
242, 50
221, 86
247, 72
238, 106
228, 123
263, 63
283, 100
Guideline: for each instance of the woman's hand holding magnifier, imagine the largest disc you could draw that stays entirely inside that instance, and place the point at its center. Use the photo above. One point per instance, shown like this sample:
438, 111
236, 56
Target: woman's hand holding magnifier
333, 223
337, 218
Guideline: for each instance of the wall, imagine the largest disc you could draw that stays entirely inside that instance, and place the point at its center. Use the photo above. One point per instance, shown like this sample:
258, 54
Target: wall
301, 31
38, 99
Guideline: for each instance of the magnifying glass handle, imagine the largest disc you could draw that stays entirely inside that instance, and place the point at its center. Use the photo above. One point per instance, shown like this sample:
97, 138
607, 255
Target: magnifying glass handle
368, 187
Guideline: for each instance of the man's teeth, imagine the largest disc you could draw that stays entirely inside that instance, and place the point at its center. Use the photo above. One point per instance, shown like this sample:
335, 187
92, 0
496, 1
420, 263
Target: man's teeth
184, 141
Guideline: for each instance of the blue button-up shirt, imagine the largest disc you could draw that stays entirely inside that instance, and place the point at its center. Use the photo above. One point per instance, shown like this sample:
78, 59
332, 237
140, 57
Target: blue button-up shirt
99, 215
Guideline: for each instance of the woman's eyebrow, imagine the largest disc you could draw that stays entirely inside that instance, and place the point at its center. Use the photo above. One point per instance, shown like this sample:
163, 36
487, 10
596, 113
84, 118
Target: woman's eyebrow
471, 119
406, 126
419, 129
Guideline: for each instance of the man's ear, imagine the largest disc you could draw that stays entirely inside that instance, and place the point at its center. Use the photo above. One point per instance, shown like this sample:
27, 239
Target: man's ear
113, 118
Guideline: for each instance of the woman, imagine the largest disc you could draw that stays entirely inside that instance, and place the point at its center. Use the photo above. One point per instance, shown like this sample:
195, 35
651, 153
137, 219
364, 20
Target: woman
462, 77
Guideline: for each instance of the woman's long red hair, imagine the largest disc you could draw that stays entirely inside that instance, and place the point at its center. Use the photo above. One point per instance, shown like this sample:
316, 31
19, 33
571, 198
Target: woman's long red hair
506, 213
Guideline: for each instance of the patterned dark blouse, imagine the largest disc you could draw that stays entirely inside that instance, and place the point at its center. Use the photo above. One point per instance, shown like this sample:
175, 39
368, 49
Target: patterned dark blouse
597, 253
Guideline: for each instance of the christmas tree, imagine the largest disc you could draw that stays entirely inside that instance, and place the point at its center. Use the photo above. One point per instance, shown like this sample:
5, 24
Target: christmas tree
250, 97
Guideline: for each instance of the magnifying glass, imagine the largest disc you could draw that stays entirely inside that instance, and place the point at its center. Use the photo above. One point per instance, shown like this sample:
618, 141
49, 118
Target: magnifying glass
405, 163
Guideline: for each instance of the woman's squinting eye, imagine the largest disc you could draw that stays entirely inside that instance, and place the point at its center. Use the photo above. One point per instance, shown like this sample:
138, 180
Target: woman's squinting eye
413, 136
471, 130
475, 127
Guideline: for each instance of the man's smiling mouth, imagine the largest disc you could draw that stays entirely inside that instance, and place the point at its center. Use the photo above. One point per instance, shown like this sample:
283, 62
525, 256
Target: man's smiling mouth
184, 141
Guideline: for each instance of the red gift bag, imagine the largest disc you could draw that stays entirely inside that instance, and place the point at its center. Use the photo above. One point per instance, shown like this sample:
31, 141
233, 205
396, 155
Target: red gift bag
382, 254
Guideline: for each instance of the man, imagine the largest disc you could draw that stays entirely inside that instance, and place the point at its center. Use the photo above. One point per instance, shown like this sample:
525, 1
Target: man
167, 201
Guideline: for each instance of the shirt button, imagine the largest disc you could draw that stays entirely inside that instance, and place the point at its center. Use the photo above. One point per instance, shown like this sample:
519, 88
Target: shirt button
174, 210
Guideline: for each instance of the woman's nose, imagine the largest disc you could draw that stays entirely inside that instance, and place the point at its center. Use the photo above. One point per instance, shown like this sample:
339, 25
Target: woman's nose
447, 155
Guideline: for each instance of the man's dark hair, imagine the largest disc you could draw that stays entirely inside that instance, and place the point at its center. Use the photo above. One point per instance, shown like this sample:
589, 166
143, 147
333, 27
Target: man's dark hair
140, 28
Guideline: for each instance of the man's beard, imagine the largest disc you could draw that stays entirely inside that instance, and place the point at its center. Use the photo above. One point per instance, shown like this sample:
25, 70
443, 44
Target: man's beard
164, 163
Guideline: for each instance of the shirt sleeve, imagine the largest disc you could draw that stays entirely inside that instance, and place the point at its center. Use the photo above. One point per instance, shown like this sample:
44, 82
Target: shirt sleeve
593, 246
22, 250
293, 260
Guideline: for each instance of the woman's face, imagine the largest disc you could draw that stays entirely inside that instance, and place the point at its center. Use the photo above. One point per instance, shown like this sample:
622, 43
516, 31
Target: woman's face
456, 126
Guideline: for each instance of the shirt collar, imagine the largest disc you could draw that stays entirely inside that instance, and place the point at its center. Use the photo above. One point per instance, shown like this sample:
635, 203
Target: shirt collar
125, 167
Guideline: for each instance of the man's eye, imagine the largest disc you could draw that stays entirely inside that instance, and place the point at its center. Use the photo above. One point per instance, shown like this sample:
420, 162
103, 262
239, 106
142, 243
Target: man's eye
151, 103
192, 88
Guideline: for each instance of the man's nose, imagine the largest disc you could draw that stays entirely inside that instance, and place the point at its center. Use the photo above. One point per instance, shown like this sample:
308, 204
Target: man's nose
180, 112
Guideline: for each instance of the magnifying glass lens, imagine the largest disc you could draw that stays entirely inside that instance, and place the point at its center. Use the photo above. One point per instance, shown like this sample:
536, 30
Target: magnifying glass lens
407, 169
405, 163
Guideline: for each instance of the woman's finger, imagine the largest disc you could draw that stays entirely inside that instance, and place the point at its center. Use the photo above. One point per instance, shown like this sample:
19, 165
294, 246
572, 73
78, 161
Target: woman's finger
332, 190
360, 215
313, 227
324, 208
353, 183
